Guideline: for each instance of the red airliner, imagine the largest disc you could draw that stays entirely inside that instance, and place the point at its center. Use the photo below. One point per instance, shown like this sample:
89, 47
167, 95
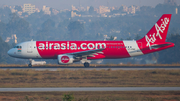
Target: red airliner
68, 52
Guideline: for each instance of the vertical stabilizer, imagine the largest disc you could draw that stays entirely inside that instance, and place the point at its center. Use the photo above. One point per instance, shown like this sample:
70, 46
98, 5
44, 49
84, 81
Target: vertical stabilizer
158, 32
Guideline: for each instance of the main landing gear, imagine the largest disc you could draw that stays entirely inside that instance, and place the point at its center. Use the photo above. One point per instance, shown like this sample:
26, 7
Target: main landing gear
85, 61
86, 64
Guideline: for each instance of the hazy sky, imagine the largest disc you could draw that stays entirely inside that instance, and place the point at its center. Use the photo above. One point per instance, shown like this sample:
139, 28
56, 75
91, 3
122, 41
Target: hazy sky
66, 4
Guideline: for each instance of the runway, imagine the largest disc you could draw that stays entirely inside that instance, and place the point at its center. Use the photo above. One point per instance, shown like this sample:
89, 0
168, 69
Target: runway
97, 68
90, 89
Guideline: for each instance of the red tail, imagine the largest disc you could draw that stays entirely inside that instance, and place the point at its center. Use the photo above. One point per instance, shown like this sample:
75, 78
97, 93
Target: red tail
158, 32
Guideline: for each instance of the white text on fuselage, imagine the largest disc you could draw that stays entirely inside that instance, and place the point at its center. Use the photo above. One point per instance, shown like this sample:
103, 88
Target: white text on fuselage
70, 46
161, 28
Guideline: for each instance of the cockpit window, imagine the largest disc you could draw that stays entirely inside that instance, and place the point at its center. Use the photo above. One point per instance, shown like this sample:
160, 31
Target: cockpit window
18, 47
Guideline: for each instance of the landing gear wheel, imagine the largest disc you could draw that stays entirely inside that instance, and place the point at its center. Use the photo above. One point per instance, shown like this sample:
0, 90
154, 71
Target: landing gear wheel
30, 65
86, 64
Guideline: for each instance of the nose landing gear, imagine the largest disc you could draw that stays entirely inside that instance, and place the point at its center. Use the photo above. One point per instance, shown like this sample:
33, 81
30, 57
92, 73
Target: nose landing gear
29, 65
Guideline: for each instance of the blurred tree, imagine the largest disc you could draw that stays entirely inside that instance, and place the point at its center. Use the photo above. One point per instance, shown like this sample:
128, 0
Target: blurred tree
171, 55
164, 9
3, 31
62, 30
23, 29
137, 37
95, 27
4, 14
48, 31
4, 47
76, 29
18, 8
111, 38
20, 27
48, 24
24, 14
91, 10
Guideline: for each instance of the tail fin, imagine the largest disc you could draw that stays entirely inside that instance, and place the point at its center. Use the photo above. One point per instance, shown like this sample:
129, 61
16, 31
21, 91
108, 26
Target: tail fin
158, 32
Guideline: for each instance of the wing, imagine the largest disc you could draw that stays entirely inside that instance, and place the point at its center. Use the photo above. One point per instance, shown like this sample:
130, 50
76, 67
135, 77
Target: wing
89, 53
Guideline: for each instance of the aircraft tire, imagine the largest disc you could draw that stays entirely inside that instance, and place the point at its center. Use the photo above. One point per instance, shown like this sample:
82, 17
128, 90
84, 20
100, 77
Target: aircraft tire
30, 65
86, 64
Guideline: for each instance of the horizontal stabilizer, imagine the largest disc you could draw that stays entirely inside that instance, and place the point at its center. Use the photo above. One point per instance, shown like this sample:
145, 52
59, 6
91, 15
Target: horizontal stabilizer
159, 46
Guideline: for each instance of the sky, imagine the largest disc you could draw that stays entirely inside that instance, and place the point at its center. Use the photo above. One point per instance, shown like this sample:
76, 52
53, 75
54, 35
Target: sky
66, 4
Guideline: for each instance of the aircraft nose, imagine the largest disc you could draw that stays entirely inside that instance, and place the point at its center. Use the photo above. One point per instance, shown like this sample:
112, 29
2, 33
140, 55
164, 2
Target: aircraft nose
10, 52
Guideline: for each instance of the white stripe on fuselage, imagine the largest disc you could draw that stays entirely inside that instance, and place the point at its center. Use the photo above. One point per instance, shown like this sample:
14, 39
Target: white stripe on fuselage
132, 48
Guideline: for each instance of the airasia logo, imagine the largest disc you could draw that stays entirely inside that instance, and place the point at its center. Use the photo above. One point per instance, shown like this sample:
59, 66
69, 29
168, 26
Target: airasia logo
159, 28
65, 59
69, 46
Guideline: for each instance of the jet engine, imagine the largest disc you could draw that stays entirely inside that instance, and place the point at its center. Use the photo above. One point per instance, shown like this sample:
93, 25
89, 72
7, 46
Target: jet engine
65, 59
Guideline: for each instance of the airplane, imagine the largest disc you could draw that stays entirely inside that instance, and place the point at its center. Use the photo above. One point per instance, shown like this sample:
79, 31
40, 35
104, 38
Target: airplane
68, 52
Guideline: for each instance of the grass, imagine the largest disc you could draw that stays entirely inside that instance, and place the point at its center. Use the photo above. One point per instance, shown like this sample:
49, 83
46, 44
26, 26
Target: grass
89, 78
93, 96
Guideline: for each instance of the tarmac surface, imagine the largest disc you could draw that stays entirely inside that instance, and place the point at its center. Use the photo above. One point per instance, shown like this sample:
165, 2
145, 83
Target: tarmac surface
90, 89
97, 68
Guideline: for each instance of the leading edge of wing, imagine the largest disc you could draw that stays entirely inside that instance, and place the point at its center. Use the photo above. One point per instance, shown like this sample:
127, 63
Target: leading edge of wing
88, 52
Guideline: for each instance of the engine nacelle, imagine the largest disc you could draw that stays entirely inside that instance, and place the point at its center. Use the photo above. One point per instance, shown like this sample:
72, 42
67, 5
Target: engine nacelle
65, 59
